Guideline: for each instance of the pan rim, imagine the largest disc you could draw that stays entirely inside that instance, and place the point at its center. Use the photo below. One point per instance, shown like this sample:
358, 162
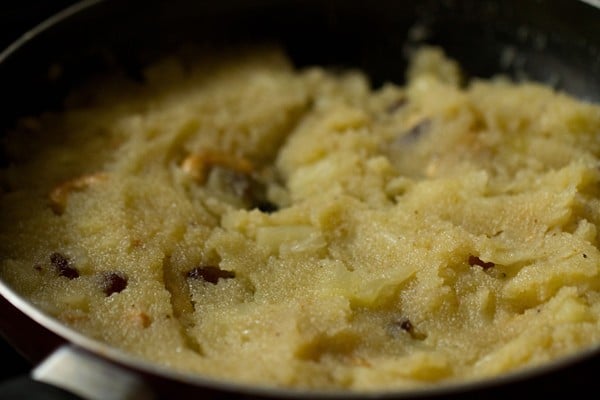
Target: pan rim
138, 365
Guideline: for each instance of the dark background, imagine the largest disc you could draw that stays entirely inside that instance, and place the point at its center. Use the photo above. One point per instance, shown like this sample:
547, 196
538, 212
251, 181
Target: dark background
16, 17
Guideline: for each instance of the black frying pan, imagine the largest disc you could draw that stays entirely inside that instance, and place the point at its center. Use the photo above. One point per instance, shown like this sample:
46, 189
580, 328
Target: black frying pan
553, 41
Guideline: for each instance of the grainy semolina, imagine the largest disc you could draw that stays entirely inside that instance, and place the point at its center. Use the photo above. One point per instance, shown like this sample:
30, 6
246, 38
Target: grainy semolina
243, 219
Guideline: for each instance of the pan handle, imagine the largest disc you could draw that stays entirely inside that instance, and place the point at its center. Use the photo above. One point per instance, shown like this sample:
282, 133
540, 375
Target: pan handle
81, 373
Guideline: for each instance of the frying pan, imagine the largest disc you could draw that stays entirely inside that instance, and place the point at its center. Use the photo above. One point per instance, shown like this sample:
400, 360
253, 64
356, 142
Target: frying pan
552, 41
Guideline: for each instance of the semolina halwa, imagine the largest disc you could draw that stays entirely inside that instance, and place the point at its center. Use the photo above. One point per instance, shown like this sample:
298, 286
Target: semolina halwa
246, 220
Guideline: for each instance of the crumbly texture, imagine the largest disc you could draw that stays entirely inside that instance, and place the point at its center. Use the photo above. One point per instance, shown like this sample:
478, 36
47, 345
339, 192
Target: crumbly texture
242, 219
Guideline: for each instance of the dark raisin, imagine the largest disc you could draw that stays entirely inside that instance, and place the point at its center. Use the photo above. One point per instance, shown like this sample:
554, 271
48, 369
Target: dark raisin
584, 255
409, 328
411, 135
406, 325
210, 274
113, 282
267, 207
63, 267
396, 105
417, 131
474, 260
58, 260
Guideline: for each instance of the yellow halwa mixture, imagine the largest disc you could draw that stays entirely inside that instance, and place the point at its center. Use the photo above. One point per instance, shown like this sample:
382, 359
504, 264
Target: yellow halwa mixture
251, 221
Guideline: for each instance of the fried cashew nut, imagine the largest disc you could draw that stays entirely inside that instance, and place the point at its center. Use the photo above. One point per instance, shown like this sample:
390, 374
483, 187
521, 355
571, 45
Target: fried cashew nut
60, 194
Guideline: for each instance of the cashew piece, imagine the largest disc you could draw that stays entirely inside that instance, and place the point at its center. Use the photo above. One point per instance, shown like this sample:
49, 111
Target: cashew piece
60, 194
